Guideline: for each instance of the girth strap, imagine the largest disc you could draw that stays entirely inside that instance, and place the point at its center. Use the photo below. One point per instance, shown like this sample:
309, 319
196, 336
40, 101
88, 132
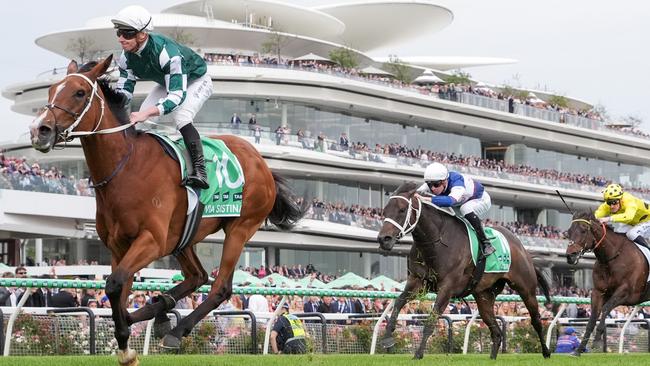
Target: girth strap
477, 275
191, 224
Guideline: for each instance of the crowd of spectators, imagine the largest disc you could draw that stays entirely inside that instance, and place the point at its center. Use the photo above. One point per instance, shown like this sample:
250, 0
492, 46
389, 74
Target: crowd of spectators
35, 178
422, 157
443, 91
17, 173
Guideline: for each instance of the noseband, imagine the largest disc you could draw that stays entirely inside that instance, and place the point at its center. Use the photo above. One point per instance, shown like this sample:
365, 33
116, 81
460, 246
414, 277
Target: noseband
407, 226
588, 222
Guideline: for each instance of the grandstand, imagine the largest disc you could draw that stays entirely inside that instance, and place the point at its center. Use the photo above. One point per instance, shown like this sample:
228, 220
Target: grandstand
345, 137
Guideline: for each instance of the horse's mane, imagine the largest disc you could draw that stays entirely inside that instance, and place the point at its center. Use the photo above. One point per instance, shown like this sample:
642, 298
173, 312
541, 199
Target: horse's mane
116, 101
406, 187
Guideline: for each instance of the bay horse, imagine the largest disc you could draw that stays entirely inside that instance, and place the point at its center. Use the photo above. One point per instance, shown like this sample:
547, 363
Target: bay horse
443, 242
141, 205
619, 275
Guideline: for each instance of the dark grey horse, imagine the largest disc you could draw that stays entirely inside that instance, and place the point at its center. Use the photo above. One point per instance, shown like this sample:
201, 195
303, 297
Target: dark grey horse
442, 241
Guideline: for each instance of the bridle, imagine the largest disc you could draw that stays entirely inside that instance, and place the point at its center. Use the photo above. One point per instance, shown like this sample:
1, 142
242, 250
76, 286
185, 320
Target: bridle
602, 239
68, 134
407, 226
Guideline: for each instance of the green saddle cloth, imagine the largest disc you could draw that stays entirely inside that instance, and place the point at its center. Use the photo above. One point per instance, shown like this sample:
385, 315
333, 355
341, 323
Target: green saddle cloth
225, 176
500, 260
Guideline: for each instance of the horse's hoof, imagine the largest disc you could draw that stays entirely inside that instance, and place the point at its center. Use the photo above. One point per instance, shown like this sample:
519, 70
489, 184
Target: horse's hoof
418, 356
546, 354
127, 358
160, 329
387, 342
170, 342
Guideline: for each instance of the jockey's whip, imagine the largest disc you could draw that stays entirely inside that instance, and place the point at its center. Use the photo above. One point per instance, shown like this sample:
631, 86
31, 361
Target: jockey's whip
562, 198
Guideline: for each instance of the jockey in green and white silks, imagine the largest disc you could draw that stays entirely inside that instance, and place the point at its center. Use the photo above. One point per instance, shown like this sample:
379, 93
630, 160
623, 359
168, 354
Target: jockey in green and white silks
181, 75
452, 189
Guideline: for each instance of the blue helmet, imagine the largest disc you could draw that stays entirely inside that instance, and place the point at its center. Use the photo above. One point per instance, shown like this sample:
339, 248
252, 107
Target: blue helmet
569, 330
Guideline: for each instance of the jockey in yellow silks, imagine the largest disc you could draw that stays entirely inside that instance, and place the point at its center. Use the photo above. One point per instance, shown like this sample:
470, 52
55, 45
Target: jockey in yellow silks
629, 214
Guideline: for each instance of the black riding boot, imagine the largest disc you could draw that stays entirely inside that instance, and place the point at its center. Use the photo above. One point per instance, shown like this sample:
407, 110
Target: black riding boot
192, 140
641, 241
484, 242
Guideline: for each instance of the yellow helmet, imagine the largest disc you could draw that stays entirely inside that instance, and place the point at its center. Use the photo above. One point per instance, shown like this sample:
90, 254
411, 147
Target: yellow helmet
613, 192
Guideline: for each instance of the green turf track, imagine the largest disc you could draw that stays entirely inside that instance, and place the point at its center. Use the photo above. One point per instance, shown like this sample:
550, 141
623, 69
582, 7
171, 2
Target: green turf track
337, 360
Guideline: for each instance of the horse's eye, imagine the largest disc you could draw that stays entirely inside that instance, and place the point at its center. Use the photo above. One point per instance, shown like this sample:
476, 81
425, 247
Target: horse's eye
80, 93
402, 210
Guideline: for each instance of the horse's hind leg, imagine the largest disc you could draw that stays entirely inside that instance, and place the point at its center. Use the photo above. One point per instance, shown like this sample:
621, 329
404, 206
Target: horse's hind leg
195, 276
530, 300
238, 232
413, 286
485, 305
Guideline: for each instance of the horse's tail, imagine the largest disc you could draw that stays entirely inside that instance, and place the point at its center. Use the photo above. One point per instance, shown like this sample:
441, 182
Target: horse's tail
543, 284
286, 210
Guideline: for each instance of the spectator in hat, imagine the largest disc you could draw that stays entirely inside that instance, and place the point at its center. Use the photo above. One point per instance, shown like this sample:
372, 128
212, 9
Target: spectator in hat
288, 334
568, 342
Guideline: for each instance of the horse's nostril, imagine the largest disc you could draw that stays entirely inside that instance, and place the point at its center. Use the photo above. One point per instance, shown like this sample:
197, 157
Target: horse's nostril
44, 129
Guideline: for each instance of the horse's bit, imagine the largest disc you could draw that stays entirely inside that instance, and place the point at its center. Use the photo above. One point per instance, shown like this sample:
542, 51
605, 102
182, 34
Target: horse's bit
407, 227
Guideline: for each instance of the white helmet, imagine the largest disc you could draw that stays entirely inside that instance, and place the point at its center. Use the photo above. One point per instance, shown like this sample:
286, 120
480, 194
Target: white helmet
135, 17
435, 172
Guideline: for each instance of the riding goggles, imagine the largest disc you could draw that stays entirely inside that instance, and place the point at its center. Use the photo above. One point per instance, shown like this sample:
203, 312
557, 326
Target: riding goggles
436, 183
612, 202
126, 33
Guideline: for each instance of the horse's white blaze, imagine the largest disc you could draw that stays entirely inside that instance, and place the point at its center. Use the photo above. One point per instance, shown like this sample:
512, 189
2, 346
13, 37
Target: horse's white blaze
37, 121
57, 91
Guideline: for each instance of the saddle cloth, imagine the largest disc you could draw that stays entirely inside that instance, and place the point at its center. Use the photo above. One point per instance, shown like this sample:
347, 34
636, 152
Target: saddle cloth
225, 176
500, 260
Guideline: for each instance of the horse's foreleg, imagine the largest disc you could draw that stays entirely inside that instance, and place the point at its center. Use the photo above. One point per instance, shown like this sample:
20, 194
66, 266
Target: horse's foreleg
237, 235
195, 276
142, 251
438, 308
413, 286
596, 305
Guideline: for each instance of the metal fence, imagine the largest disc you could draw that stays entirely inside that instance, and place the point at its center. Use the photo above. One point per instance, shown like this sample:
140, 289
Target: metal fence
79, 333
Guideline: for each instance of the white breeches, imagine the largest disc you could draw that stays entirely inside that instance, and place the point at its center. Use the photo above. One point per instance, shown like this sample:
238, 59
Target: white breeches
480, 206
198, 92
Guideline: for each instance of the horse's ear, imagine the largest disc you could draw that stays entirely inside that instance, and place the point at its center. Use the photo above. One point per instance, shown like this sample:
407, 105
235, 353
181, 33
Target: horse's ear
72, 67
101, 67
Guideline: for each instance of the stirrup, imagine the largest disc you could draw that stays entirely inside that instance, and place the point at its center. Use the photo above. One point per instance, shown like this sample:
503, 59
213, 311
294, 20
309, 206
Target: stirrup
488, 250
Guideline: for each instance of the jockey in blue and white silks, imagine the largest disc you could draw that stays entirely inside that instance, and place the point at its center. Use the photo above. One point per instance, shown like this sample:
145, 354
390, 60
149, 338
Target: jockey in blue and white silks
452, 189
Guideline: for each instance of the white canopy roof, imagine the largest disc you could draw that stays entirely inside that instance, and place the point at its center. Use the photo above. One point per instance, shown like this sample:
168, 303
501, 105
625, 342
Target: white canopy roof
428, 77
312, 57
371, 70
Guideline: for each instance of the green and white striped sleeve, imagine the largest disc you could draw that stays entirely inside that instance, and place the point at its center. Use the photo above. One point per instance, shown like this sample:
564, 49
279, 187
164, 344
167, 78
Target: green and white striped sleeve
126, 82
171, 63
